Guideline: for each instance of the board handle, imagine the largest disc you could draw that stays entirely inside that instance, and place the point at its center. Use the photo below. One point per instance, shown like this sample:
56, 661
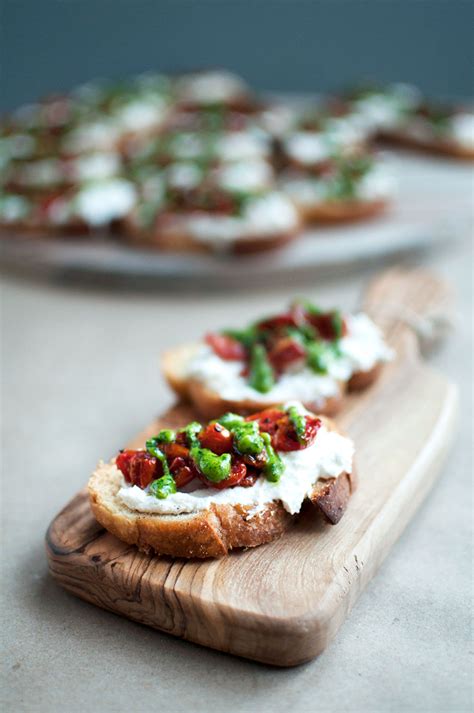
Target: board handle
414, 302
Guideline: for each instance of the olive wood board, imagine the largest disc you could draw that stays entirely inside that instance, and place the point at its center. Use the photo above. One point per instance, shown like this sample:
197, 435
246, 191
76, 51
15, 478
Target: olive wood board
282, 603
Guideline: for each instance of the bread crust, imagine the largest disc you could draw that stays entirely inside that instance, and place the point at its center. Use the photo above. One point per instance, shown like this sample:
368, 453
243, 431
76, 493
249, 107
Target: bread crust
433, 146
209, 533
175, 239
210, 404
341, 211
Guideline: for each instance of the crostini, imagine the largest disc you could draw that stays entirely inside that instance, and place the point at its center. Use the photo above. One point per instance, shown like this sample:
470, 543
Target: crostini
436, 129
232, 207
344, 188
236, 482
306, 354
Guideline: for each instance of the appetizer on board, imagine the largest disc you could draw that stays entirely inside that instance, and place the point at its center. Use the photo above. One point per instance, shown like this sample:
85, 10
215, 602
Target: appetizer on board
203, 490
305, 353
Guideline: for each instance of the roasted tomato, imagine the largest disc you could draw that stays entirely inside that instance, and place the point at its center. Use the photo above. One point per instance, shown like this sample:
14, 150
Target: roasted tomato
268, 419
226, 347
285, 352
249, 480
217, 438
175, 450
286, 319
285, 438
123, 463
138, 467
183, 472
325, 325
237, 474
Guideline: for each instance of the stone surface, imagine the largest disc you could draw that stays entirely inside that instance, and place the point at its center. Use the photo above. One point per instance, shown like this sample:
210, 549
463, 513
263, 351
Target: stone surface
80, 377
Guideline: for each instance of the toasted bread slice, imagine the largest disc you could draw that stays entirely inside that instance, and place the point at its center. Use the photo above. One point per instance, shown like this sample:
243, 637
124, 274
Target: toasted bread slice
209, 533
433, 146
342, 211
176, 239
210, 404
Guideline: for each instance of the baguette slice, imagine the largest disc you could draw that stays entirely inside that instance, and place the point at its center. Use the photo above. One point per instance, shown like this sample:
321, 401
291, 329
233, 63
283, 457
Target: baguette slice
175, 238
209, 533
210, 404
341, 211
433, 146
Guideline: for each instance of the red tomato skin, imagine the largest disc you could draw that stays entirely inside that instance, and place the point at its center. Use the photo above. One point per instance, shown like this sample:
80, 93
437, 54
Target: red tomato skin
217, 438
237, 474
226, 347
285, 352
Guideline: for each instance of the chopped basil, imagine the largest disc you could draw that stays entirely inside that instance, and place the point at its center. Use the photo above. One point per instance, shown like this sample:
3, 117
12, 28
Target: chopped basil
163, 487
261, 376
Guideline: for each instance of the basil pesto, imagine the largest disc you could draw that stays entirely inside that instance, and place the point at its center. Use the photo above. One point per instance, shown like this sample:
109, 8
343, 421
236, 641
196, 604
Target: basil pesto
163, 487
298, 421
261, 372
212, 466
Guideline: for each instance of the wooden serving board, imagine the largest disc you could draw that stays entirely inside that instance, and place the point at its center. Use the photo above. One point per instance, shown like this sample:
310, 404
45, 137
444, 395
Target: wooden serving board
283, 602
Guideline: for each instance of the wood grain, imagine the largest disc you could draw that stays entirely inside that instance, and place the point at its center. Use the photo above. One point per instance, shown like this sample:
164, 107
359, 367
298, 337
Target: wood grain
283, 602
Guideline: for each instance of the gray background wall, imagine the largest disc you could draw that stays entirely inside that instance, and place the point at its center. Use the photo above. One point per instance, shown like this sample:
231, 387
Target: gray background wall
275, 44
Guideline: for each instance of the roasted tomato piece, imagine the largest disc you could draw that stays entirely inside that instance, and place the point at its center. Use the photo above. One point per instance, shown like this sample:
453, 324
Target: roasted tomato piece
268, 419
138, 467
217, 438
237, 474
182, 472
123, 463
258, 462
326, 325
249, 480
286, 352
286, 439
175, 450
280, 320
226, 347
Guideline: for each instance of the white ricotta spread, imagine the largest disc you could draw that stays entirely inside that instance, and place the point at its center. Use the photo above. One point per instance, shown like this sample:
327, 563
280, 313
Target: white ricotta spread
459, 129
141, 114
95, 166
210, 87
245, 175
361, 350
310, 147
13, 208
264, 216
462, 129
330, 455
91, 136
386, 110
42, 173
100, 203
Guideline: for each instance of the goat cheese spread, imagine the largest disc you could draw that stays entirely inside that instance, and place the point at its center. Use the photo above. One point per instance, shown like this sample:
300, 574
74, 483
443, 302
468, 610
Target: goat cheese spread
360, 350
330, 455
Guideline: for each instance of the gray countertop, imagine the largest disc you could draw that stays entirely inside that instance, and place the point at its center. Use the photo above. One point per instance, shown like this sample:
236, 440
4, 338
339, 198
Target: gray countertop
80, 377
